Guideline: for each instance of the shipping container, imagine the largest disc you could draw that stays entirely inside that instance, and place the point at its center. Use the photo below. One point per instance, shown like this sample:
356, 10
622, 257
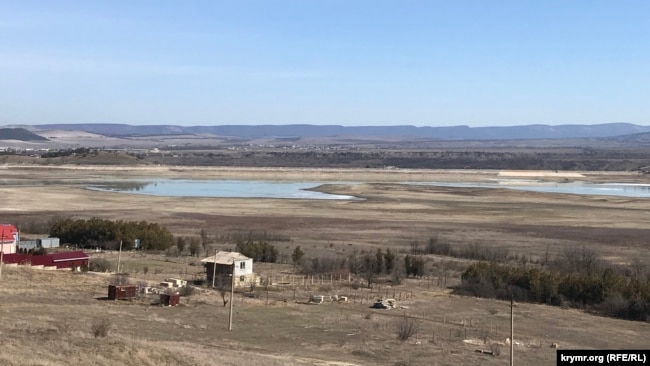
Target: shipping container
169, 299
121, 292
48, 242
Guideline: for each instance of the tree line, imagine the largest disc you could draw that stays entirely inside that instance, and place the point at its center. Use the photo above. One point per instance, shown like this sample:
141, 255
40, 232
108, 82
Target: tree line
577, 279
368, 265
107, 234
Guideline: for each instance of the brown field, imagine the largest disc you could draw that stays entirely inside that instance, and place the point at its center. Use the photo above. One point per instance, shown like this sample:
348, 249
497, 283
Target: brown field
47, 315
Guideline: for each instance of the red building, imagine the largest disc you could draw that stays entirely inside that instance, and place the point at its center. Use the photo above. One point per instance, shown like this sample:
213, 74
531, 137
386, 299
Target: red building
8, 238
58, 260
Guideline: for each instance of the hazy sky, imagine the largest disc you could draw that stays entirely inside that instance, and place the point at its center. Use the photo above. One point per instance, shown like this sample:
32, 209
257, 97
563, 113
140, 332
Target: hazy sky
350, 62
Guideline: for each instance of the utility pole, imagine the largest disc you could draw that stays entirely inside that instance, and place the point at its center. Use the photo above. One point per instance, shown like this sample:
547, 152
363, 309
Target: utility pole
119, 257
512, 328
232, 293
214, 267
2, 251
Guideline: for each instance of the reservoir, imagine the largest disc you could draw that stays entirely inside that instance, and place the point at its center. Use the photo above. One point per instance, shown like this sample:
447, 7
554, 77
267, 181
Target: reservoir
590, 189
223, 189
302, 190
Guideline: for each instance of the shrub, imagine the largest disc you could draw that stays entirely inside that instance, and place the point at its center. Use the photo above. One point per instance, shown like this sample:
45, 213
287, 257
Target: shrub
397, 277
477, 250
406, 328
320, 265
186, 291
434, 246
99, 265
119, 279
64, 326
100, 327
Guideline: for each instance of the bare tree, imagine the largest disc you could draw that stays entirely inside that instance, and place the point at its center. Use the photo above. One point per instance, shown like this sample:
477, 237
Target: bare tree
415, 247
369, 269
180, 244
120, 279
578, 260
222, 284
204, 237
638, 268
297, 255
195, 246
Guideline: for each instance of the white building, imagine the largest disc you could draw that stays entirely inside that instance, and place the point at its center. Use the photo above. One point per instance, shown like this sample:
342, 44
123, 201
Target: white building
221, 264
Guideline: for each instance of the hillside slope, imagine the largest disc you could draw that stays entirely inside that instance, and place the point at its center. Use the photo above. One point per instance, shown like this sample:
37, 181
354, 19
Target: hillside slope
19, 134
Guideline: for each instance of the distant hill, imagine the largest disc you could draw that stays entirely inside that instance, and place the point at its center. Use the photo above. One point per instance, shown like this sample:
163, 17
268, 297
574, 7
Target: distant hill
303, 130
19, 134
637, 138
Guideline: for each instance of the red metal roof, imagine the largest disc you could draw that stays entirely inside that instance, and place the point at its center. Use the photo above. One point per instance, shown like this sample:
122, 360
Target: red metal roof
7, 232
69, 256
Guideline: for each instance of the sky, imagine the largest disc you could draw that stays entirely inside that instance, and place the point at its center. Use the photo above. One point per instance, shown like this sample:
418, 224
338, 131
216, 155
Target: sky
345, 62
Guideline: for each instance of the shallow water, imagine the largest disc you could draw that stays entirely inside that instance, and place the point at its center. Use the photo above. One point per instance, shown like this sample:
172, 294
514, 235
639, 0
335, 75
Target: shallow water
301, 190
591, 189
224, 189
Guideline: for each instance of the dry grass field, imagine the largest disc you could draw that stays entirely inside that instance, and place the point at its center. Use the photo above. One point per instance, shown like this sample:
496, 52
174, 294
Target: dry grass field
47, 316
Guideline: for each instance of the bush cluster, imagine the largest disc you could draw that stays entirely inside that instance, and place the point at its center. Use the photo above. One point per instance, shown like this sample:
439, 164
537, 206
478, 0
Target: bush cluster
475, 250
260, 251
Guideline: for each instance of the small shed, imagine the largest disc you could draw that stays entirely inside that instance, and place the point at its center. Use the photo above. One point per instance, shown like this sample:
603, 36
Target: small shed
170, 299
121, 292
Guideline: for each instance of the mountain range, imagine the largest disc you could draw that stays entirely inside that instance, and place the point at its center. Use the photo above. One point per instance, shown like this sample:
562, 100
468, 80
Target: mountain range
537, 131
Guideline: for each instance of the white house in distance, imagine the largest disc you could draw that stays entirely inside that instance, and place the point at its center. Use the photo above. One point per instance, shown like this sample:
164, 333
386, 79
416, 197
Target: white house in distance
221, 264
8, 238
